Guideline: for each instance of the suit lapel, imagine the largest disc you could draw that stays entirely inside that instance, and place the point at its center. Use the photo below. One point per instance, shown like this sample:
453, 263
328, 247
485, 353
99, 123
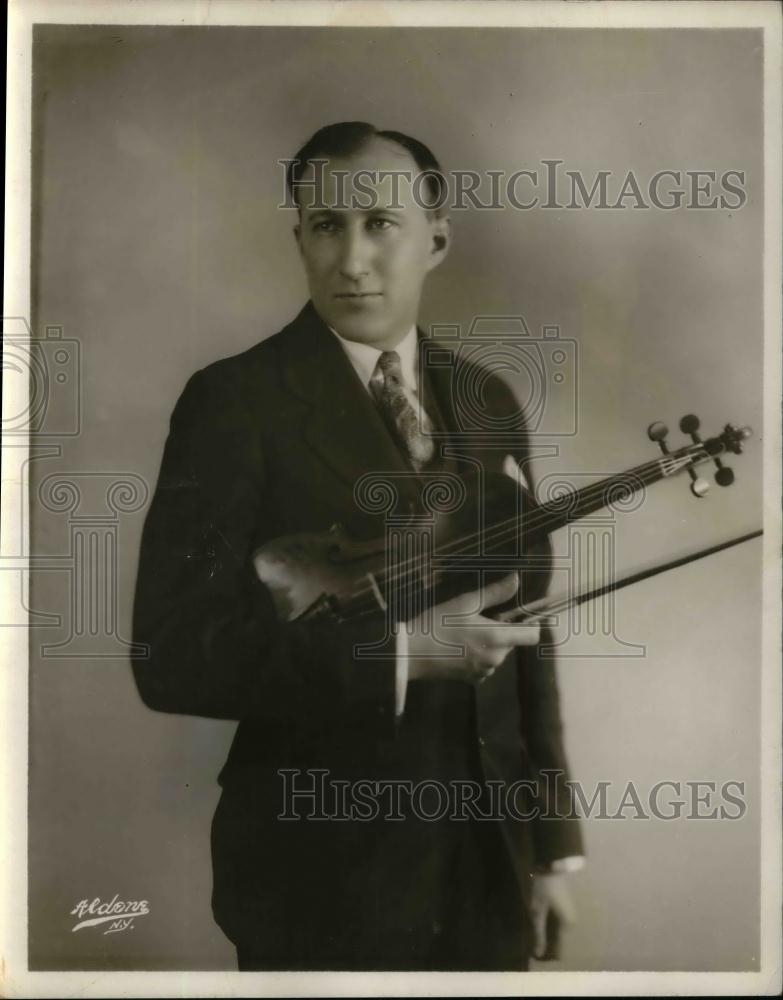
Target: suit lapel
452, 442
438, 378
471, 448
342, 425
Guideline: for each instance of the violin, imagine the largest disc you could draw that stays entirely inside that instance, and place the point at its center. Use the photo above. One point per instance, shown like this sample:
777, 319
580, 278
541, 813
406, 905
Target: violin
471, 529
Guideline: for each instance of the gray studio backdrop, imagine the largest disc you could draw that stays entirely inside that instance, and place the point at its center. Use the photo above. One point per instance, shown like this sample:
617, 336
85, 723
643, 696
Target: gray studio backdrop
158, 248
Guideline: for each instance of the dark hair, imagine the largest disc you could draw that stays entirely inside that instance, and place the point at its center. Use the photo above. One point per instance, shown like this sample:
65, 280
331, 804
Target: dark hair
347, 138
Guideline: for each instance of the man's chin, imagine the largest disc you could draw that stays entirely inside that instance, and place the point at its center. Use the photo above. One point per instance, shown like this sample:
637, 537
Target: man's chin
363, 328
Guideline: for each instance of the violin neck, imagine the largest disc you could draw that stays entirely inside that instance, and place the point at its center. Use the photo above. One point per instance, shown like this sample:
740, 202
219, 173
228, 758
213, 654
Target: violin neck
618, 488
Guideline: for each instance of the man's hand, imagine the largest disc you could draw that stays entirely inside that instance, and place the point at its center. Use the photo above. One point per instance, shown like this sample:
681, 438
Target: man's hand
551, 907
486, 642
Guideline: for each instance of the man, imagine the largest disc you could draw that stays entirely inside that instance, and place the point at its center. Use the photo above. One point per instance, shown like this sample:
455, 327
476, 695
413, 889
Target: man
273, 443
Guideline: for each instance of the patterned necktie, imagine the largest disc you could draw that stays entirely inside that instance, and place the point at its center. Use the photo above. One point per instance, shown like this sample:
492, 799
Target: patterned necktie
401, 407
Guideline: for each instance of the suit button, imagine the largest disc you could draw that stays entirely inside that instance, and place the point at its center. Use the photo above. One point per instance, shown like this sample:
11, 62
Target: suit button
482, 741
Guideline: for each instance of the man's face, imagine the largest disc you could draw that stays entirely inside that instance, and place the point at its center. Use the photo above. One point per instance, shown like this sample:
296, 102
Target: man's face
366, 266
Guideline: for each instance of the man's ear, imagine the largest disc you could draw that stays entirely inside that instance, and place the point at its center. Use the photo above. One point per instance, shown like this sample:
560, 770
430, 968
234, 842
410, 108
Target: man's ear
441, 240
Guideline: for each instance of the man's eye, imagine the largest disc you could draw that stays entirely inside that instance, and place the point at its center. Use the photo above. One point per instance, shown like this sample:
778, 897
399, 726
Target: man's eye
325, 227
381, 224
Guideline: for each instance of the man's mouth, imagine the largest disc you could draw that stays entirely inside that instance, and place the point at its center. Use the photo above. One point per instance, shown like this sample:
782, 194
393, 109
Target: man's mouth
358, 295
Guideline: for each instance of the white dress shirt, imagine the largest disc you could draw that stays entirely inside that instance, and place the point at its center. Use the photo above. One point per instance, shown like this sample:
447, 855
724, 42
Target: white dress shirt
364, 358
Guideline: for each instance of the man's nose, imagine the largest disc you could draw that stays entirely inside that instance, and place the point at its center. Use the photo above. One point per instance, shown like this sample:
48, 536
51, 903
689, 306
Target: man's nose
355, 258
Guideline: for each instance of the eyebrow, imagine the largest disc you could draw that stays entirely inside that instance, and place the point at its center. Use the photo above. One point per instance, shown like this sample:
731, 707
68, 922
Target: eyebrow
333, 213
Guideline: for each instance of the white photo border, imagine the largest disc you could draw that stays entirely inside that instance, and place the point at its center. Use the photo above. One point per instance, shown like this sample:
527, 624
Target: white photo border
15, 979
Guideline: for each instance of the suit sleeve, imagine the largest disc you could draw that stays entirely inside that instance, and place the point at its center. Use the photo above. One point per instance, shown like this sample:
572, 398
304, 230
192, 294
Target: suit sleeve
556, 830
213, 644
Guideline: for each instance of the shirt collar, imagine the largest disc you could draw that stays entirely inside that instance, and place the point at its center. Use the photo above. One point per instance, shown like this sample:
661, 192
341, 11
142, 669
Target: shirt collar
364, 357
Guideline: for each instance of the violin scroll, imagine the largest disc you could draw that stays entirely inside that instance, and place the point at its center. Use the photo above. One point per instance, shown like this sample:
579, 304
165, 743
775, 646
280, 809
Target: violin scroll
730, 440
734, 436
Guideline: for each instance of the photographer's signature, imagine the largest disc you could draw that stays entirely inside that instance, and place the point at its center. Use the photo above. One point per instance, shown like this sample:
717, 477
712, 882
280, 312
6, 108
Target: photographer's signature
117, 913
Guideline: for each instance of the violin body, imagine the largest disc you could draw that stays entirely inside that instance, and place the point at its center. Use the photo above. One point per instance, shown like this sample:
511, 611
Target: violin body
459, 539
420, 560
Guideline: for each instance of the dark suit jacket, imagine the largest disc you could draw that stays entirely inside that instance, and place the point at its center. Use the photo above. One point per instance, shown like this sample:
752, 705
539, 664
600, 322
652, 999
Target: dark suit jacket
269, 443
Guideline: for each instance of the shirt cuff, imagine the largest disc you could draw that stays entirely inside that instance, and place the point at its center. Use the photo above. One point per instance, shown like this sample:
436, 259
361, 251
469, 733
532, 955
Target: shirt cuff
401, 673
567, 865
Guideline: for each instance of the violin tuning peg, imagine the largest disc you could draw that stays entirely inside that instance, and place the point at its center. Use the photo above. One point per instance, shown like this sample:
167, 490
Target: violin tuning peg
690, 423
699, 487
657, 431
724, 476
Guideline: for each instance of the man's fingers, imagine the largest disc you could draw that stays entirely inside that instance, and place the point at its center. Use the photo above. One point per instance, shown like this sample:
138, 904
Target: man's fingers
499, 636
499, 591
539, 914
543, 620
485, 673
476, 600
563, 905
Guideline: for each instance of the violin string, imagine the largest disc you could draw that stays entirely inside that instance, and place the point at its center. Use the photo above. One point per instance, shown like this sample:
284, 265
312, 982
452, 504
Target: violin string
542, 608
634, 479
553, 511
